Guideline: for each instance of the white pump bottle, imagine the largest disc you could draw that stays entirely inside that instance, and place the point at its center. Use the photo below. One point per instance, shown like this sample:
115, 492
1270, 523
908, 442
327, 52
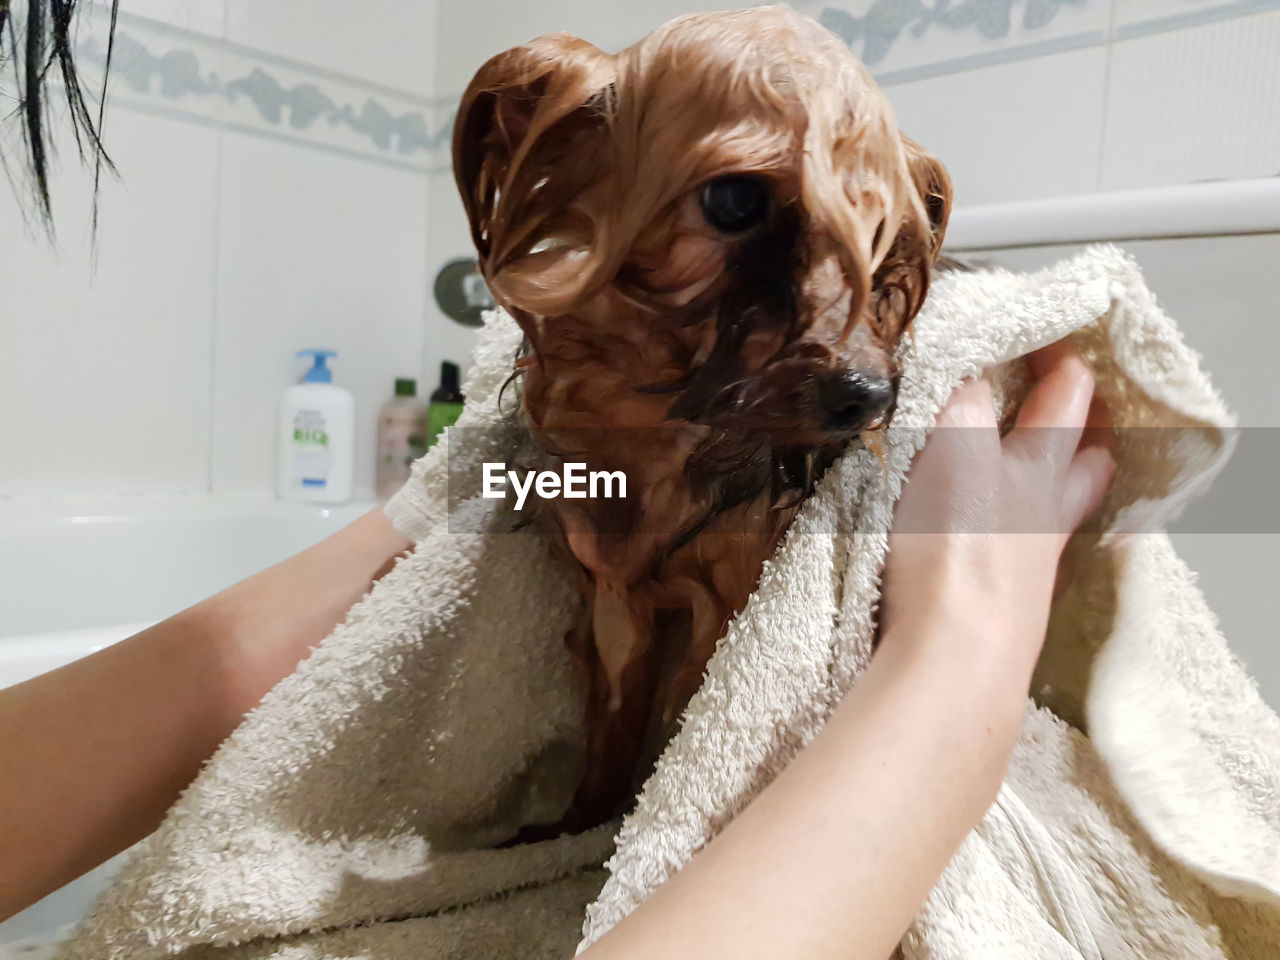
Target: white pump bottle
317, 437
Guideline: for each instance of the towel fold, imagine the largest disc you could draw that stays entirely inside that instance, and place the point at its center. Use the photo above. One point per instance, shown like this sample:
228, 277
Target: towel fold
369, 806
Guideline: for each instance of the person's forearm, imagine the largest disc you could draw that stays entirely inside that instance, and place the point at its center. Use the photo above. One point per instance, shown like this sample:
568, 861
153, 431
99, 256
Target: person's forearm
92, 754
836, 856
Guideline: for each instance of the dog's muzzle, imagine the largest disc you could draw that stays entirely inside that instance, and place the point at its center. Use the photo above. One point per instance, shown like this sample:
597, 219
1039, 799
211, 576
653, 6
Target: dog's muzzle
855, 400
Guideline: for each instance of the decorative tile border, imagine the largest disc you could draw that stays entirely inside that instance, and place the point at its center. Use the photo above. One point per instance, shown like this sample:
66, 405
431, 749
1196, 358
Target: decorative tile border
191, 76
873, 34
991, 58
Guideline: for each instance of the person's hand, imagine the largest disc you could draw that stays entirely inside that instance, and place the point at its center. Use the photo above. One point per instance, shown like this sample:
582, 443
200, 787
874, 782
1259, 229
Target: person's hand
859, 826
983, 521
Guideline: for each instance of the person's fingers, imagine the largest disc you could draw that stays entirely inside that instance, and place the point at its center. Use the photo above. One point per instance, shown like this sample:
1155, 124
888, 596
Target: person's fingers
1097, 426
1047, 358
1052, 417
965, 434
956, 463
1084, 486
970, 406
1063, 389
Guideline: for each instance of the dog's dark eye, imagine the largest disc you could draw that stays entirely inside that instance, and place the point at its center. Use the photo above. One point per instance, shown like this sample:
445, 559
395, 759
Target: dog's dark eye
735, 204
935, 206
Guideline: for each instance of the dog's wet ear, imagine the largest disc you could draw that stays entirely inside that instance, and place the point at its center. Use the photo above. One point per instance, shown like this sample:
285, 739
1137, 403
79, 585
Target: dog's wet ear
526, 144
934, 187
901, 281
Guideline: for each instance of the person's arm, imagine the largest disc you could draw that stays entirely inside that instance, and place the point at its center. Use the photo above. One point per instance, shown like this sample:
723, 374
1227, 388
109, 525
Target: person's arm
92, 754
835, 857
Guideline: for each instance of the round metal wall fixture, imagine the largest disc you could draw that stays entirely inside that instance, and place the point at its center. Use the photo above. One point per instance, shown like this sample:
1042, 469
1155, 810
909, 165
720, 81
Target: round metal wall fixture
462, 293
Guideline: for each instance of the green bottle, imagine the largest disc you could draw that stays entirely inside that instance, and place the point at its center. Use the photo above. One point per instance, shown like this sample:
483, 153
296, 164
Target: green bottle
446, 403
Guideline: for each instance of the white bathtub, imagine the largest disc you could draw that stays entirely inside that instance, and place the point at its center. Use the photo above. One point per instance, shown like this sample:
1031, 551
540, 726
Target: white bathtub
75, 578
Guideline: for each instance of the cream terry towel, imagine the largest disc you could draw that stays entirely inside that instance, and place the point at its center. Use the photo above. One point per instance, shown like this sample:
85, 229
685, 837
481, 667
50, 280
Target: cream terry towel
365, 808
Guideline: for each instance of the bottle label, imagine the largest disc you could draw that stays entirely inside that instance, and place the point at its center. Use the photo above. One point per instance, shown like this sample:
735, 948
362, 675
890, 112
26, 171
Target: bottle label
400, 436
439, 416
310, 448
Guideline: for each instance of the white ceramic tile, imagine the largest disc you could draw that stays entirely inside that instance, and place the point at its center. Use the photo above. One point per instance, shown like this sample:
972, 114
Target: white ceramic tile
1014, 131
386, 42
316, 250
1195, 104
104, 375
152, 18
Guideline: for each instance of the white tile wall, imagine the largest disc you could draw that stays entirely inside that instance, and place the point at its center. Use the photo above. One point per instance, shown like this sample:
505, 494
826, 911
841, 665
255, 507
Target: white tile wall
1016, 131
105, 374
389, 42
205, 16
1197, 103
274, 160
315, 250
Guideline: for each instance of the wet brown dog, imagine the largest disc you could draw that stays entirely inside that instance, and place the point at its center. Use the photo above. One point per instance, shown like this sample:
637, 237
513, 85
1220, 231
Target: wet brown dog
713, 241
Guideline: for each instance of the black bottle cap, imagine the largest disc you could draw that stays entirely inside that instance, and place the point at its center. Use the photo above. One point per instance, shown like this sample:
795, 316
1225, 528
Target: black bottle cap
449, 377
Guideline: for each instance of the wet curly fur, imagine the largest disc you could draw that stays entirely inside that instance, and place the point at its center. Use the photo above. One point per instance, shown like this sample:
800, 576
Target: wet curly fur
698, 360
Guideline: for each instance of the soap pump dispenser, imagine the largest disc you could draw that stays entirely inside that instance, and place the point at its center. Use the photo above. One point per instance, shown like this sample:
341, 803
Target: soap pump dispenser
317, 436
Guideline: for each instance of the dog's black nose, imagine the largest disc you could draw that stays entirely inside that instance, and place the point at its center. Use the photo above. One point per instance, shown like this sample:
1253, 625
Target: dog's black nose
854, 400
